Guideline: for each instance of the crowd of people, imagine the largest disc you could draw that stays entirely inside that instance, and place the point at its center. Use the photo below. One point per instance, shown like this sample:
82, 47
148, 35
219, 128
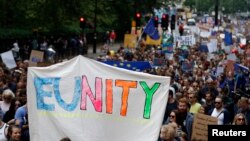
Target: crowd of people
198, 89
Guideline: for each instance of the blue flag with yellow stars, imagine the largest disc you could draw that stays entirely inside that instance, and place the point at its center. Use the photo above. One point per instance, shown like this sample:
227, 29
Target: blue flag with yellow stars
130, 65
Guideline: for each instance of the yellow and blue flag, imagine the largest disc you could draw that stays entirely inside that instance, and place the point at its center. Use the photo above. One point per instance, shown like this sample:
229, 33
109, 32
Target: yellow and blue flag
151, 30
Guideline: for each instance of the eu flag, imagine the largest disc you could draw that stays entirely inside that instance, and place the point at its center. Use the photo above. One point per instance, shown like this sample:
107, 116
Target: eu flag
151, 30
240, 67
228, 38
130, 65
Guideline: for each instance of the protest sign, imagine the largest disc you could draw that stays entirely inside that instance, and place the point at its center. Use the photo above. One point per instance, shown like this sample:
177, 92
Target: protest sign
169, 56
187, 66
200, 126
35, 57
8, 59
184, 40
205, 34
212, 45
130, 40
219, 71
160, 62
232, 57
88, 100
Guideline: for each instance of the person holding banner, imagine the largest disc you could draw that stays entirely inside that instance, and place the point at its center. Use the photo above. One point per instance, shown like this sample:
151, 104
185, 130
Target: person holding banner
65, 139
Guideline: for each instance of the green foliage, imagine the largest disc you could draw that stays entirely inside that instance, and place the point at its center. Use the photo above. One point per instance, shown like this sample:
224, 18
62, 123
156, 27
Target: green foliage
14, 33
57, 17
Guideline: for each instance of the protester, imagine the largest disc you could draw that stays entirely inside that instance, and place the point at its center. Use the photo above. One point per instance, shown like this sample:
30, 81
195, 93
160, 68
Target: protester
244, 107
7, 97
14, 133
220, 112
181, 29
186, 119
65, 139
10, 114
112, 37
195, 106
3, 130
206, 75
171, 105
21, 120
240, 119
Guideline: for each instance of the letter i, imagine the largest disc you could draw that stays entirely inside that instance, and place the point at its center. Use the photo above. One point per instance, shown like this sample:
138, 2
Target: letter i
109, 96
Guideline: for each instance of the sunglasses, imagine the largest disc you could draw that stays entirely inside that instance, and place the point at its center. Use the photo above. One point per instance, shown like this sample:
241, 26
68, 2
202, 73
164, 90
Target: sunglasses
217, 102
18, 104
171, 116
241, 119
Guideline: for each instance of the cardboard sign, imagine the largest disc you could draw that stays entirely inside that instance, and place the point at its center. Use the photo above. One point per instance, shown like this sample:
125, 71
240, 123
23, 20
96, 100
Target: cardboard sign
130, 40
35, 57
200, 126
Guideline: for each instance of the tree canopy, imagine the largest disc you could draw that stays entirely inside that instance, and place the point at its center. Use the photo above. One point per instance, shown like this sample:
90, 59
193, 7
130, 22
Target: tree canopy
21, 18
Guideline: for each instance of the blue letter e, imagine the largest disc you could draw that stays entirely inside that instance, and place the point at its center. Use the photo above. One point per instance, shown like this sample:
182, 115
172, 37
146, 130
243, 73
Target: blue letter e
39, 82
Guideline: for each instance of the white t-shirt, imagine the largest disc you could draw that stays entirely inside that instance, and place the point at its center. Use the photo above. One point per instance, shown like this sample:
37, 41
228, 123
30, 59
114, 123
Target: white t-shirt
4, 106
219, 114
2, 132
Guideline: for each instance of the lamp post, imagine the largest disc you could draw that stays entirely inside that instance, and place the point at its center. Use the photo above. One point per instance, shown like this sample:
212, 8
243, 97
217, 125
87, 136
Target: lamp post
95, 34
216, 9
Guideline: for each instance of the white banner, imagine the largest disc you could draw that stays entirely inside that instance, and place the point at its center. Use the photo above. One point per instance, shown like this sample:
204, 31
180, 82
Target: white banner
184, 40
8, 59
86, 100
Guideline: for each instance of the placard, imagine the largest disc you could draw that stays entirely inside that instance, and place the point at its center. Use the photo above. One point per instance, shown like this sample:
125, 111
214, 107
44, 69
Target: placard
35, 57
200, 126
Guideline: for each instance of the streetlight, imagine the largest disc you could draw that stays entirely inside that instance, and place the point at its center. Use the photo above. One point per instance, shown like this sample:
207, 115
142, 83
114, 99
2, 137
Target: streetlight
216, 9
95, 34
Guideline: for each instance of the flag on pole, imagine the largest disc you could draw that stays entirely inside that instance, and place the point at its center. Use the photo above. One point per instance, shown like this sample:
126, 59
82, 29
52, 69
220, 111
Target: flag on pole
151, 30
